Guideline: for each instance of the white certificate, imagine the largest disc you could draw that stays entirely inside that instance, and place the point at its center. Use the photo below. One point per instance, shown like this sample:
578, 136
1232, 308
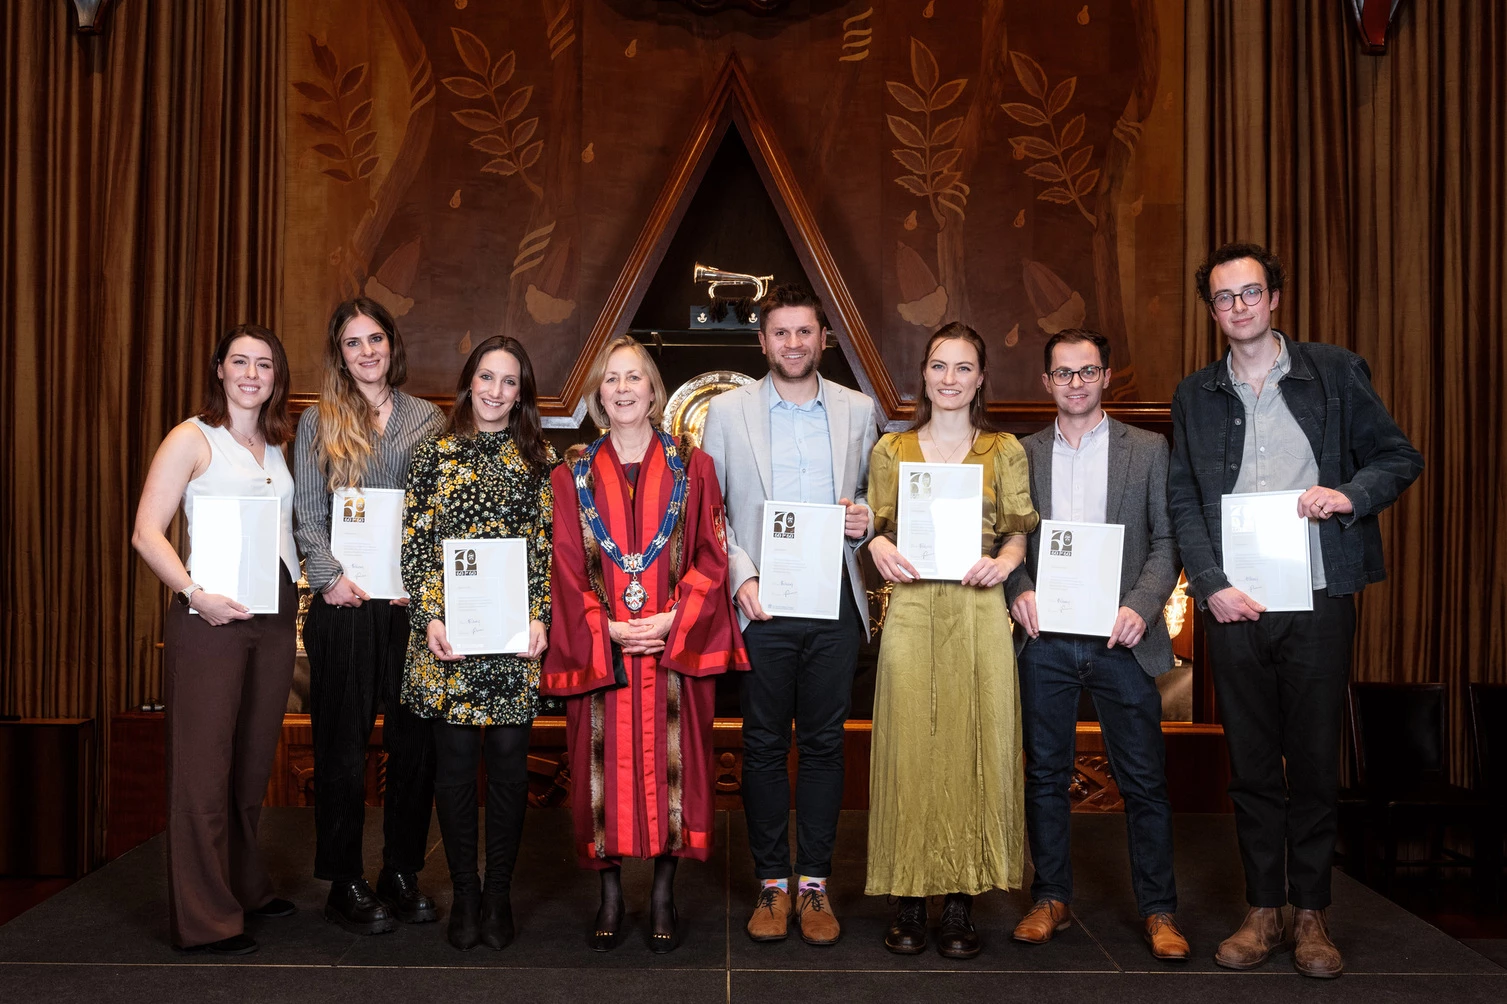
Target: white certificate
1265, 545
800, 564
941, 518
235, 543
1078, 577
486, 595
366, 537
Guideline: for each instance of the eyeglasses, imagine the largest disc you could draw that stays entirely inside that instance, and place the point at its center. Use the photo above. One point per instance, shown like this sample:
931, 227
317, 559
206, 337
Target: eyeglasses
1088, 374
1250, 296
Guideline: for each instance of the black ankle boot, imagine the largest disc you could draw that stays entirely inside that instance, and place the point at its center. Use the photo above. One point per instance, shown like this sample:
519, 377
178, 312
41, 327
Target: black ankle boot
401, 893
907, 935
496, 920
352, 905
455, 806
956, 937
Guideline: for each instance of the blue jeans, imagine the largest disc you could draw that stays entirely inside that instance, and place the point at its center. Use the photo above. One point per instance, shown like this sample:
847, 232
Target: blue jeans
1053, 669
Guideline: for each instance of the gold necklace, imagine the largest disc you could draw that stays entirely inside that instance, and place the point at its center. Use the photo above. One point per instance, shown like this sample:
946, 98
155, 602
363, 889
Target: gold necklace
947, 454
250, 441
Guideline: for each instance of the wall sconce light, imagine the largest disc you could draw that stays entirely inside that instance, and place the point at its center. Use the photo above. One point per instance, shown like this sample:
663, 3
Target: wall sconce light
89, 15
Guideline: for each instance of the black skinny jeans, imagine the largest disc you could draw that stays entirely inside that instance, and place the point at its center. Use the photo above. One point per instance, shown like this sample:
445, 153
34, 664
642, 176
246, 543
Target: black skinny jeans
356, 657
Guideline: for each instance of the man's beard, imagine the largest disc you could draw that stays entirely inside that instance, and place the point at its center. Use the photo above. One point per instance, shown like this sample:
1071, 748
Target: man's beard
778, 365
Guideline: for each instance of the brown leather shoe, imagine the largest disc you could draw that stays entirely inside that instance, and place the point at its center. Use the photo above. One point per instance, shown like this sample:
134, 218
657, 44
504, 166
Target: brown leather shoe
771, 917
1166, 941
1314, 954
813, 912
1259, 935
1045, 919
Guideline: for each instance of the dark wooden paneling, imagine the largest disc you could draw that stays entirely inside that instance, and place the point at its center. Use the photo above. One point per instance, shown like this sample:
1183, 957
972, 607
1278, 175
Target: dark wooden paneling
47, 791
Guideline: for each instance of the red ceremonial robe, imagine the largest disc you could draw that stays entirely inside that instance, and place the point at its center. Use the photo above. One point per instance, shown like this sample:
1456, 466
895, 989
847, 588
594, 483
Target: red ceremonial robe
641, 754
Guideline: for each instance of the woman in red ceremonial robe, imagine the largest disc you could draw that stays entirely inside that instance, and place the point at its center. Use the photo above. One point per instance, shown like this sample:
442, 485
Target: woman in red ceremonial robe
642, 623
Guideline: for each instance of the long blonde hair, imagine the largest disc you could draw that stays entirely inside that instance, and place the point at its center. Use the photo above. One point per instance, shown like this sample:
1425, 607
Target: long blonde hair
347, 433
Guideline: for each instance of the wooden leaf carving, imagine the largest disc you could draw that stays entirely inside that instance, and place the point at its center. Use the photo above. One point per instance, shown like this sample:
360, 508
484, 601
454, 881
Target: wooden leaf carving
908, 98
1026, 115
953, 202
363, 143
1079, 160
477, 120
523, 131
1085, 184
905, 132
324, 59
500, 166
466, 87
473, 51
530, 154
1072, 132
312, 91
338, 174
1045, 171
1061, 95
923, 66
947, 179
367, 166
1061, 196
946, 159
517, 101
351, 79
503, 71
329, 150
911, 160
913, 185
320, 124
491, 144
947, 131
1030, 75
359, 116
1034, 146
948, 93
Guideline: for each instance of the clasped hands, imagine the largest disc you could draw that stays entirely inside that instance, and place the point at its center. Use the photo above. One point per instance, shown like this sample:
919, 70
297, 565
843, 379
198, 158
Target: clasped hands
644, 636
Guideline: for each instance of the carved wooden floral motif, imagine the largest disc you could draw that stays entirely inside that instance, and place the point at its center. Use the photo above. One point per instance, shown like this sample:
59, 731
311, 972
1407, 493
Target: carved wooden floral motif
484, 166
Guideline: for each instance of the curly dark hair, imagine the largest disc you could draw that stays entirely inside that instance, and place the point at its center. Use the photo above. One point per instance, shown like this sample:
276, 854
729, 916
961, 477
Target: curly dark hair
1270, 263
790, 294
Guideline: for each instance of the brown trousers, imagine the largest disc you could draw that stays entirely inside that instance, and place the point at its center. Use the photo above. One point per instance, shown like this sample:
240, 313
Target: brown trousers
225, 690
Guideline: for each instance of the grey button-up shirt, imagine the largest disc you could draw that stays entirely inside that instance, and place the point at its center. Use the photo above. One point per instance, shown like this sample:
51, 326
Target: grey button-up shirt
1277, 456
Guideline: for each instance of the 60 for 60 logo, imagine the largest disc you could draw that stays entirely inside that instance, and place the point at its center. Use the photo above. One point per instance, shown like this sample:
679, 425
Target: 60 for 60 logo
1062, 544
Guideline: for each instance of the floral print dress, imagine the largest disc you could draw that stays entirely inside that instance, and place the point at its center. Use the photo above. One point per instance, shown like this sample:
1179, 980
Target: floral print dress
471, 487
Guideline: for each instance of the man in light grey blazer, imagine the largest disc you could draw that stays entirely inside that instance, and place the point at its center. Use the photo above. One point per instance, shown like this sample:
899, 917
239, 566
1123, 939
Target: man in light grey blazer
1087, 467
793, 437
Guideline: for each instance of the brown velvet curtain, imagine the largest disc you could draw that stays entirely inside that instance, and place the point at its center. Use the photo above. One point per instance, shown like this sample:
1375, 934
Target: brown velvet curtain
1380, 182
140, 188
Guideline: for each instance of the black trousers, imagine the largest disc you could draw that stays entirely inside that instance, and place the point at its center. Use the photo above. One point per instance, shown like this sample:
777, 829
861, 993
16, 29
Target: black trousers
802, 670
1280, 682
356, 657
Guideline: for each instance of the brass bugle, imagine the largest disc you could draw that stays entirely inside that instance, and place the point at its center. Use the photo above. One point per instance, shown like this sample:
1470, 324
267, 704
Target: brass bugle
718, 277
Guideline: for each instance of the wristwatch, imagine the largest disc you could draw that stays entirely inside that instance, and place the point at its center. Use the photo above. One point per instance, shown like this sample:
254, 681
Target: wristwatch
188, 591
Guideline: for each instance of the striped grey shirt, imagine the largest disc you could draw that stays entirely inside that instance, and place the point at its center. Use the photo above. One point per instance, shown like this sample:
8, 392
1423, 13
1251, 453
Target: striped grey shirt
412, 421
1277, 456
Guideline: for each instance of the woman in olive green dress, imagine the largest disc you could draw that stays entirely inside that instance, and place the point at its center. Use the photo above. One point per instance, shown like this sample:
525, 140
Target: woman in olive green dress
946, 793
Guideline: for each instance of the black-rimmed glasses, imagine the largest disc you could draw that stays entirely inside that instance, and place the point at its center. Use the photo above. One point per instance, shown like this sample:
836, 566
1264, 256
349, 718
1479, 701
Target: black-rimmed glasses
1250, 296
1062, 376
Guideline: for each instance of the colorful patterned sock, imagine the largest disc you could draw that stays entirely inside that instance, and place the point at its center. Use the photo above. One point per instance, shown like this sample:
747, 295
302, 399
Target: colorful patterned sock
814, 883
781, 884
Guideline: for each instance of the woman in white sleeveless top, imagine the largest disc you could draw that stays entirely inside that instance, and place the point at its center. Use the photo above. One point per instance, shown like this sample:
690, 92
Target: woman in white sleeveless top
226, 671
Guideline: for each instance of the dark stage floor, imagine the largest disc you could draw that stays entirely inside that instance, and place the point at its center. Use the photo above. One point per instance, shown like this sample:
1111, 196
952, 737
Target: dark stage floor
105, 937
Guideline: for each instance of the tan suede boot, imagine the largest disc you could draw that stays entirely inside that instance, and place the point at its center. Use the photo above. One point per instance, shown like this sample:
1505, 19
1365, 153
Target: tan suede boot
1314, 954
1253, 944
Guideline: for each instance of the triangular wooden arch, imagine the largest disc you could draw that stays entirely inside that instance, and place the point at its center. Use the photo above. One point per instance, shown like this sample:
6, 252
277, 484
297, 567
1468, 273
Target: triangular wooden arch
730, 104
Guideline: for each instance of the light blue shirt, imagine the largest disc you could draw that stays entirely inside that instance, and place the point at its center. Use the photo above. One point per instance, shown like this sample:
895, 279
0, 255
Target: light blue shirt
800, 447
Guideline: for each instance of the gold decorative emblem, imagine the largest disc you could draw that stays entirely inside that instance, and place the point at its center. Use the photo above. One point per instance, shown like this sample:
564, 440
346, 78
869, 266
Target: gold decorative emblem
685, 411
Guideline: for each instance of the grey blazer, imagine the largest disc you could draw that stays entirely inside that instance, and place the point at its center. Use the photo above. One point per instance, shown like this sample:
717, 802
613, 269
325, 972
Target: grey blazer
736, 437
1137, 498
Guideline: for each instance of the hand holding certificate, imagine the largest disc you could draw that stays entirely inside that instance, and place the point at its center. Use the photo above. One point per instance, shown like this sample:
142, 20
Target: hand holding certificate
1078, 577
486, 596
800, 564
366, 534
235, 549
1265, 545
941, 513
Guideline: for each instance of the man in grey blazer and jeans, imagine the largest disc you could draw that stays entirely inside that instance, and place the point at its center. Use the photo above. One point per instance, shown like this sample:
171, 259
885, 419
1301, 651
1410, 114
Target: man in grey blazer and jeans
793, 437
1087, 467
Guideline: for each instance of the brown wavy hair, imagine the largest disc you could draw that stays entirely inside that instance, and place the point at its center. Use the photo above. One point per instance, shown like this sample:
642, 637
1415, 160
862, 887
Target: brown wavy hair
978, 409
347, 425
523, 417
275, 423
